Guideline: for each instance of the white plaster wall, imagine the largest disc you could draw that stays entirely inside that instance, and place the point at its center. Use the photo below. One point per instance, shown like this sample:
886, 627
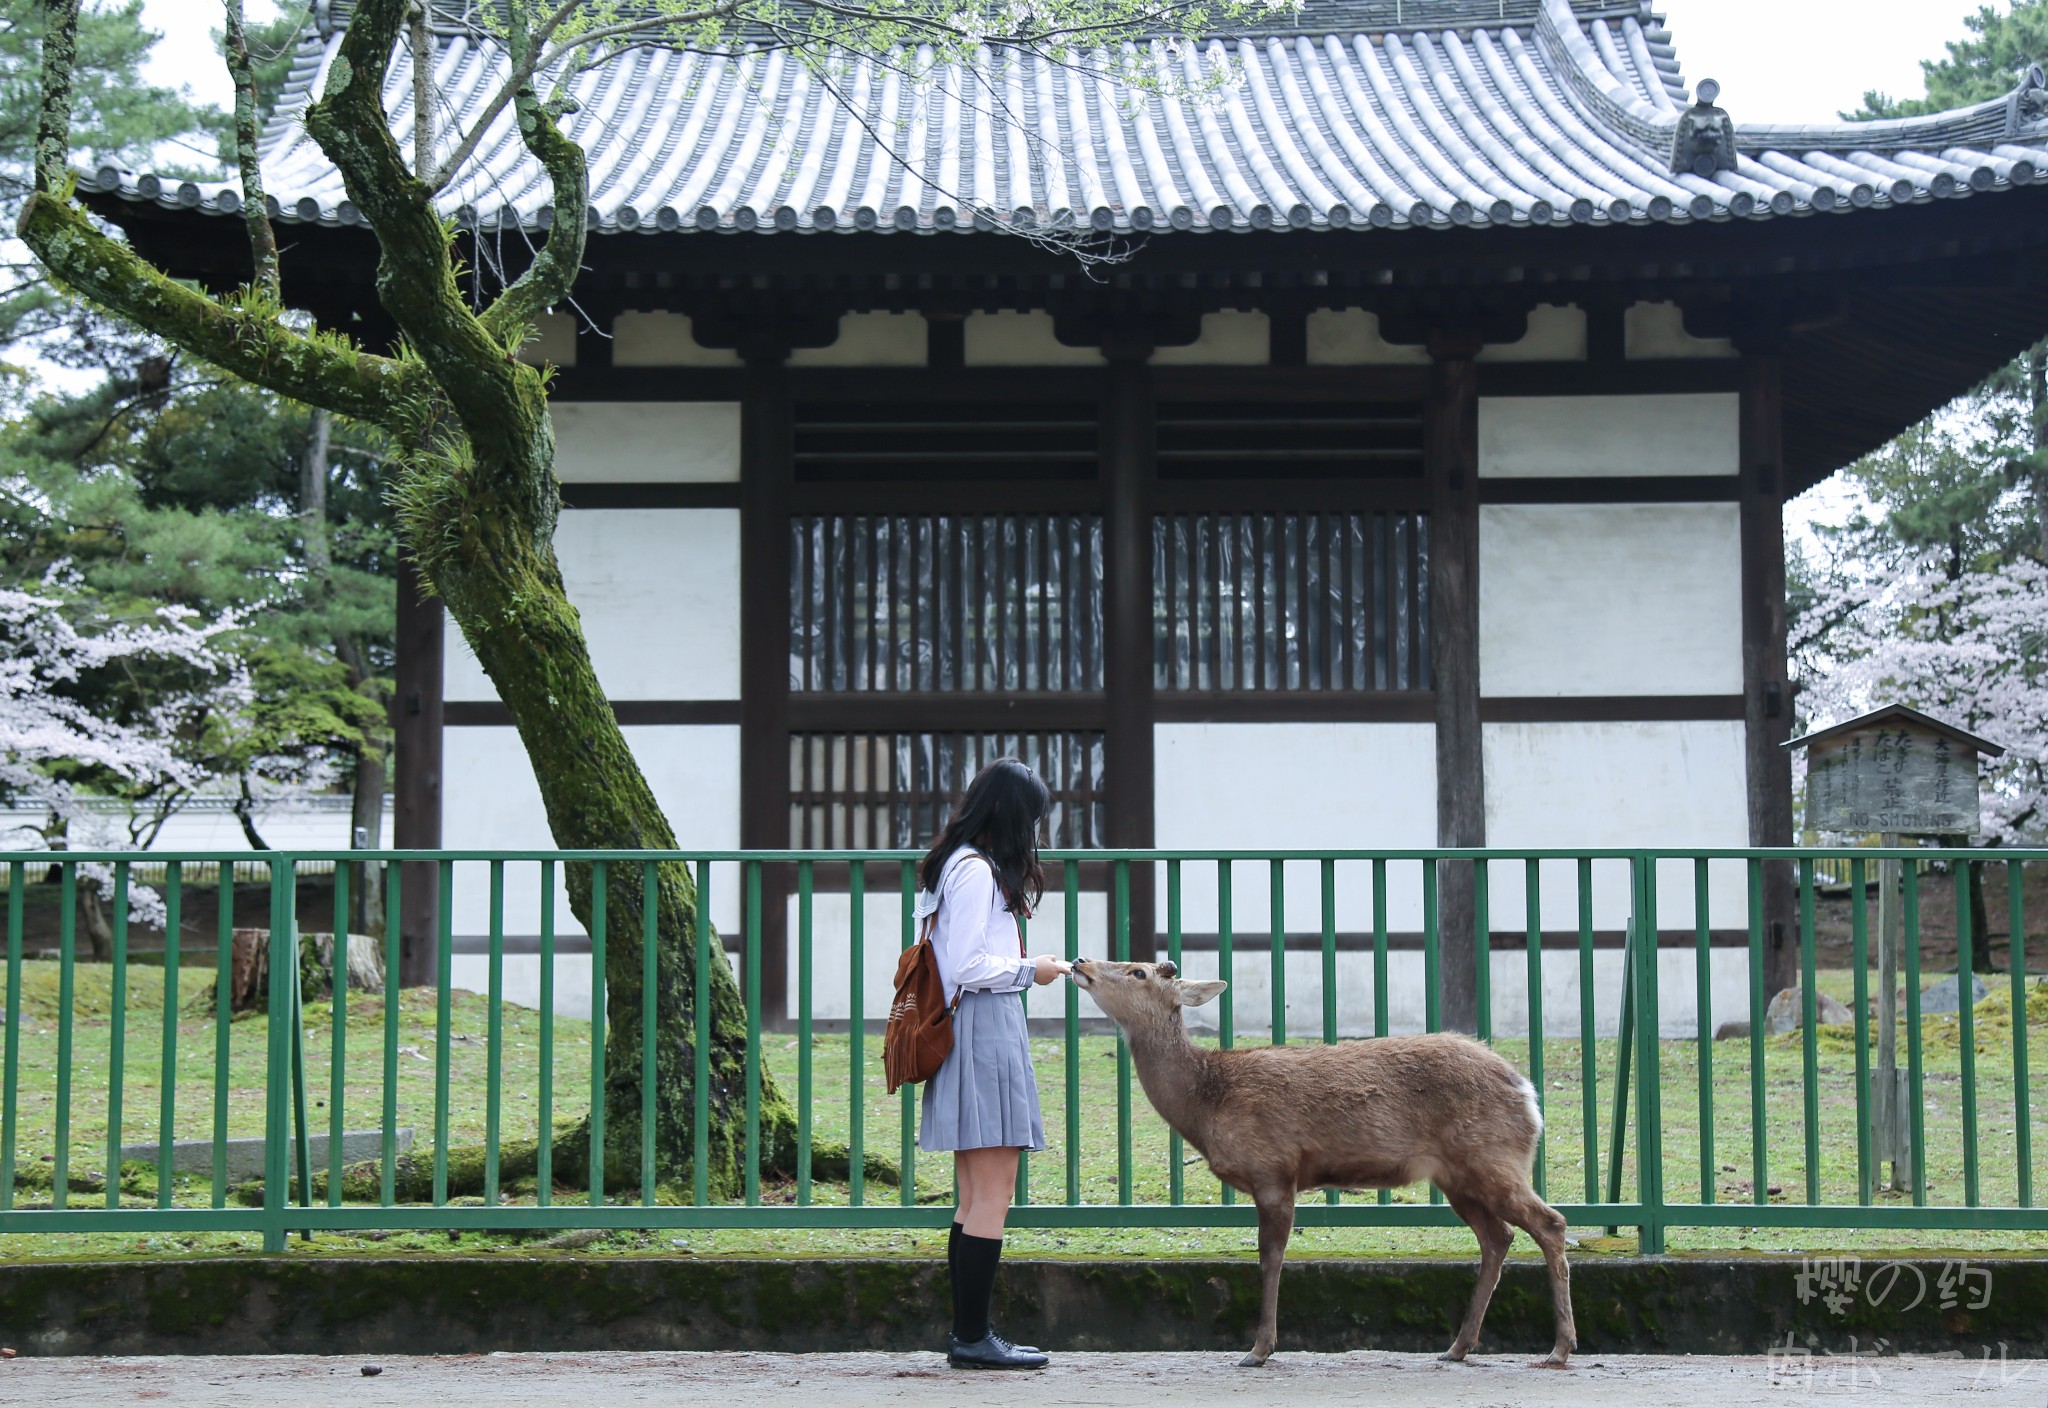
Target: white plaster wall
1662, 785
1608, 436
658, 592
871, 340
553, 341
664, 340
1294, 786
882, 945
1228, 338
1656, 331
1252, 993
490, 801
1012, 339
1557, 333
647, 442
1351, 337
1606, 599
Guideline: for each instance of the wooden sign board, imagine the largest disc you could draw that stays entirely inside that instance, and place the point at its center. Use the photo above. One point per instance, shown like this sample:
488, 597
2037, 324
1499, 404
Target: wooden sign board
1893, 770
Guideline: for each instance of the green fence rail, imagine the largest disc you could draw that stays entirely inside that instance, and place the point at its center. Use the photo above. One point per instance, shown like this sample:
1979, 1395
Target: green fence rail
1681, 1114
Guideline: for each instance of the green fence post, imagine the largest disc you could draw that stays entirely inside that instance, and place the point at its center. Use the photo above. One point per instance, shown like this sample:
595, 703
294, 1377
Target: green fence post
444, 1021
1482, 947
1532, 884
1759, 1157
1966, 1025
10, 1081
1176, 1182
856, 1033
284, 966
1277, 983
1649, 1073
1809, 1034
1916, 1106
1589, 1047
223, 1004
1122, 933
700, 1050
494, 1038
1859, 963
650, 1021
337, 1042
1226, 969
117, 1034
906, 1191
387, 1184
752, 1179
2016, 962
1624, 1045
1070, 874
600, 892
803, 1033
544, 1153
67, 965
1703, 1005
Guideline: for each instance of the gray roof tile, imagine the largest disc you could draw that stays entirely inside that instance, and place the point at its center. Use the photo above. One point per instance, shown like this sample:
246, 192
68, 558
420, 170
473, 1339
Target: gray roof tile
1346, 114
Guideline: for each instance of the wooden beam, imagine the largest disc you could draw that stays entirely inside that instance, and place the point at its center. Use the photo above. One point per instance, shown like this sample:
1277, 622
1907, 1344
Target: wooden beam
1128, 451
1451, 452
1766, 690
766, 422
416, 771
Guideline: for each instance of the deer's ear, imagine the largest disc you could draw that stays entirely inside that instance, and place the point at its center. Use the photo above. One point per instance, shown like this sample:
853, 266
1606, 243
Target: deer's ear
1195, 994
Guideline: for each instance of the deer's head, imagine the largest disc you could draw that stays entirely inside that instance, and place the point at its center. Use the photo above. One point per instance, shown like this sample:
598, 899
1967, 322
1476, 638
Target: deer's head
1137, 994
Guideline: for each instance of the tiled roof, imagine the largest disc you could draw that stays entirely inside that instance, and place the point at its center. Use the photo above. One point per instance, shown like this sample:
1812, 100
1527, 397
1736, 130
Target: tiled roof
1349, 114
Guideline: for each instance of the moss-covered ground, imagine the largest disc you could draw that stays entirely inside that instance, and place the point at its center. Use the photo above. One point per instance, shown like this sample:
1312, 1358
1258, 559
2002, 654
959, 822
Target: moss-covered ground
1095, 1162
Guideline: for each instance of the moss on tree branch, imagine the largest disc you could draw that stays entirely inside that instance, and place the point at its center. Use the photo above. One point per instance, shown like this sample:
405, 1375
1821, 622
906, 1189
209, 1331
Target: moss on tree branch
245, 338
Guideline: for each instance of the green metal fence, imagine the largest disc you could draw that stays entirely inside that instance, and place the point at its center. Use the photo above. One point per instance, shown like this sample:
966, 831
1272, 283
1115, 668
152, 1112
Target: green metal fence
1622, 1142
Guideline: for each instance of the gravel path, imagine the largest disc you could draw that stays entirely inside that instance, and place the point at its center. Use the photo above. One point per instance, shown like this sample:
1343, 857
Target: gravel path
1094, 1380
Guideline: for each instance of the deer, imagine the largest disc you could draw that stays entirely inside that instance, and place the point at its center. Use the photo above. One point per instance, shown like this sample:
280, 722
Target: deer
1273, 1121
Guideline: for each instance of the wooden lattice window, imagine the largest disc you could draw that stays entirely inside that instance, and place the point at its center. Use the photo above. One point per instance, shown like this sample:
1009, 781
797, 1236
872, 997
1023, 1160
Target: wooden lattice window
1291, 601
895, 790
945, 602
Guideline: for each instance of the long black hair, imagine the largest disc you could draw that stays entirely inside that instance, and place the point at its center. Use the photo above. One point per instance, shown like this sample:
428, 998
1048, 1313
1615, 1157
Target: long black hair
999, 817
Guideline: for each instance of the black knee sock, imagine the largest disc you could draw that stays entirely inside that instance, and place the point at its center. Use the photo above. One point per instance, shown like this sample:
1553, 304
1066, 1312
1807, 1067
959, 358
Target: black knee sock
953, 1267
974, 1281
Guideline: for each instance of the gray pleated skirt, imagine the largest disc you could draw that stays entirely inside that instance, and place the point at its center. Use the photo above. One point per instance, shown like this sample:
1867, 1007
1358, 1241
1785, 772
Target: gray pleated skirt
984, 1096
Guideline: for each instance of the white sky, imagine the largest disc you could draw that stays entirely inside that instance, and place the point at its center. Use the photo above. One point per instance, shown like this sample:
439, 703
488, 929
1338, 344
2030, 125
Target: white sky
1776, 61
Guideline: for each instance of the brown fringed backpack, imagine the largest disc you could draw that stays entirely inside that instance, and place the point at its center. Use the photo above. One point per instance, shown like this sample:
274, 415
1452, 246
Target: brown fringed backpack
919, 1036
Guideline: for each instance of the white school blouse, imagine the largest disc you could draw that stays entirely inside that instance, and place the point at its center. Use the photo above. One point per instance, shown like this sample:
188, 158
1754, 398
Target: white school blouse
975, 939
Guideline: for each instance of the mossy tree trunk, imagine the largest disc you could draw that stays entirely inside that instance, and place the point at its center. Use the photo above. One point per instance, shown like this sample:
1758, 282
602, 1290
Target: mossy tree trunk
478, 503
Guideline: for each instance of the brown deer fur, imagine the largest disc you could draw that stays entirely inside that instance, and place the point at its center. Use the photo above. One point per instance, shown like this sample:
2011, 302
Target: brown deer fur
1275, 1120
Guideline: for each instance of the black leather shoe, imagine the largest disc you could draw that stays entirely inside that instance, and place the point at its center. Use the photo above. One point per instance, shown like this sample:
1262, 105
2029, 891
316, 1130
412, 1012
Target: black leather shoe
1020, 1348
991, 1351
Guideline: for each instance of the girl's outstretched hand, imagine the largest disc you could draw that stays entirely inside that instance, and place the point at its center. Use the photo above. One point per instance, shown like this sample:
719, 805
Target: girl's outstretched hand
1050, 969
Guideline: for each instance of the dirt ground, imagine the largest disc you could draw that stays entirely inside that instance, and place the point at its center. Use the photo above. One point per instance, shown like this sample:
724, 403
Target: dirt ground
1109, 1380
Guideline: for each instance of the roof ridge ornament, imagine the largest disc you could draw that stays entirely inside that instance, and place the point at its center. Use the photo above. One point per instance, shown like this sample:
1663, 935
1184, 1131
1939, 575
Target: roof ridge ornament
2028, 103
1705, 140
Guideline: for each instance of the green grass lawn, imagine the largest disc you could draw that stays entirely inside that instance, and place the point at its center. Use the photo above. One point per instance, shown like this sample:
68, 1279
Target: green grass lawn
1564, 1163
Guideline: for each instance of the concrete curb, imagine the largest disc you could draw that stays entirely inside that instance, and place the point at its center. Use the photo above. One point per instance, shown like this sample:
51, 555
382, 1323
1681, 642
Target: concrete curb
454, 1304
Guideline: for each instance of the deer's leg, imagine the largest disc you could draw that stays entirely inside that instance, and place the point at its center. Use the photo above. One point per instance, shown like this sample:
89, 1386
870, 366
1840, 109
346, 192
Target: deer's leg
1546, 1225
1276, 1225
1494, 1236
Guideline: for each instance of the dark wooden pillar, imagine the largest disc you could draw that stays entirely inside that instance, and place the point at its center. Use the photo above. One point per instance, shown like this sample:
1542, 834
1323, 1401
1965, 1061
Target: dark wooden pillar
1128, 445
1451, 448
765, 450
416, 771
1766, 691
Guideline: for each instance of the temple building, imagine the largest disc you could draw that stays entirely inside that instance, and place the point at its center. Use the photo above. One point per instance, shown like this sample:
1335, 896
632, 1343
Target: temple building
1377, 437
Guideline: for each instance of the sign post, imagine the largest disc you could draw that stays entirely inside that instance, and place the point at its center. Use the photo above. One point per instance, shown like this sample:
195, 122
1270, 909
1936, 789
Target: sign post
1900, 773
